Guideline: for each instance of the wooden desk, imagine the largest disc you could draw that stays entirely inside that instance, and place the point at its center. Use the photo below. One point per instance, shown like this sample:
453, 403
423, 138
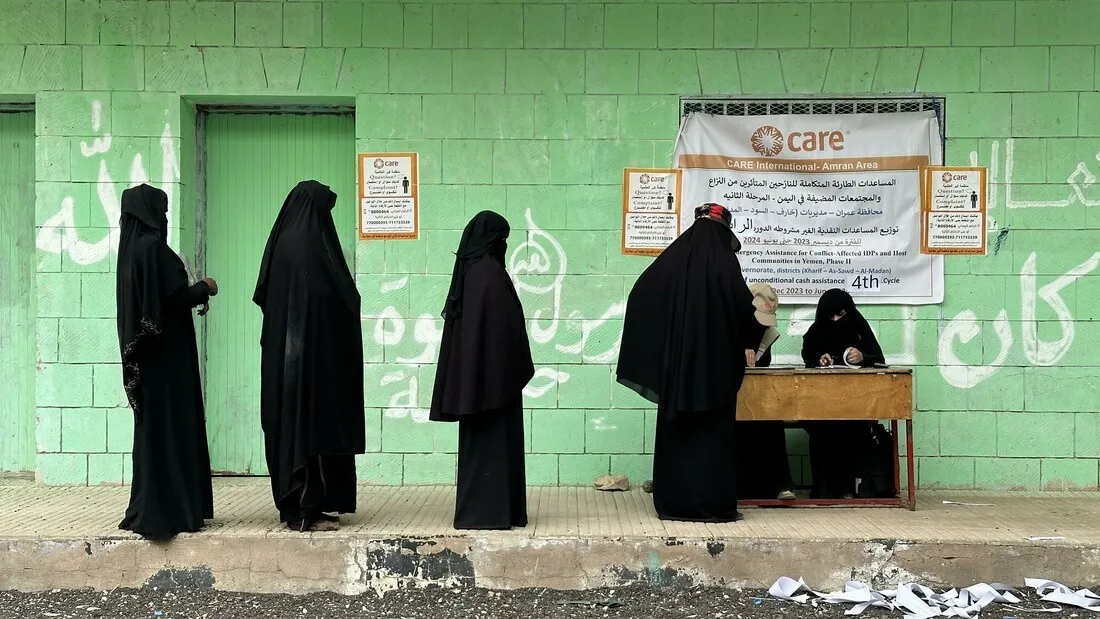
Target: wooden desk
872, 394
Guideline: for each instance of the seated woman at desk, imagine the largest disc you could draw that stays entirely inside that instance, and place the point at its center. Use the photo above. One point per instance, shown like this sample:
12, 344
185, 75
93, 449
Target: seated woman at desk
840, 336
762, 466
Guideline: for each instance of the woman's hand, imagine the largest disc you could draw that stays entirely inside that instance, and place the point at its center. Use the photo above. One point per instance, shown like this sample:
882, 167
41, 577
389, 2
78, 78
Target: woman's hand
825, 360
750, 358
212, 285
854, 356
205, 309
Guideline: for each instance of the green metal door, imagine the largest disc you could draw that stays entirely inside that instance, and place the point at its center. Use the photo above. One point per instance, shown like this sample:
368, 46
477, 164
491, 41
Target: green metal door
17, 292
252, 161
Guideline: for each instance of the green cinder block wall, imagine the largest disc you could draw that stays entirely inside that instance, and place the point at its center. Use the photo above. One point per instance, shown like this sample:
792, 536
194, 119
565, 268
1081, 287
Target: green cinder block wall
533, 109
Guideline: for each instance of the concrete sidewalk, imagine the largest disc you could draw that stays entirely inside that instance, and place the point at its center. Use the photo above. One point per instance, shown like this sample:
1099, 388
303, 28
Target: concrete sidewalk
578, 538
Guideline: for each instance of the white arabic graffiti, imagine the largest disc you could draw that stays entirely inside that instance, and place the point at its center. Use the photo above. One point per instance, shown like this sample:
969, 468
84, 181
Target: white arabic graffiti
531, 260
964, 326
59, 233
538, 268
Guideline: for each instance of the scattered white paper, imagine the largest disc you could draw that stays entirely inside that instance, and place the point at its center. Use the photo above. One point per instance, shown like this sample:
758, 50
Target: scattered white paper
1045, 538
969, 504
1050, 591
915, 601
788, 589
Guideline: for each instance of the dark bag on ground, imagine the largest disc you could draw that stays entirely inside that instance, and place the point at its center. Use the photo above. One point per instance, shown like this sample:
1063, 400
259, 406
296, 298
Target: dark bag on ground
876, 465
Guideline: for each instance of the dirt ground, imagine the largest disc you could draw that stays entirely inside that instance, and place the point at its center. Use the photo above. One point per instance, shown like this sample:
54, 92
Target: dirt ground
633, 602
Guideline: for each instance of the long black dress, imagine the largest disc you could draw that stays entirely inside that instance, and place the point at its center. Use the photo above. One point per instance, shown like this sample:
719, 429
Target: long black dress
311, 374
484, 364
171, 490
683, 348
835, 445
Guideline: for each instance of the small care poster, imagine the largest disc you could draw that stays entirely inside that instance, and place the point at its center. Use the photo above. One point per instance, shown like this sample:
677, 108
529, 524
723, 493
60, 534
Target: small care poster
953, 210
389, 196
651, 210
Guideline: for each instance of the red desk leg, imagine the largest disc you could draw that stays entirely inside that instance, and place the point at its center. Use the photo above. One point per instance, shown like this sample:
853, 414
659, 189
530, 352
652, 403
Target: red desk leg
910, 464
897, 466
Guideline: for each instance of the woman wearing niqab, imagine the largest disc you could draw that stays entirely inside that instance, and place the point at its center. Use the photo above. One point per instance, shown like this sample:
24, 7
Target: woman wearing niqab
839, 336
311, 363
171, 490
484, 364
688, 335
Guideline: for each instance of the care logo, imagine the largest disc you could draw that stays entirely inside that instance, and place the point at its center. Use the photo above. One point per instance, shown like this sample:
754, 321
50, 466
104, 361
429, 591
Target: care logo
379, 163
947, 178
644, 179
770, 141
767, 140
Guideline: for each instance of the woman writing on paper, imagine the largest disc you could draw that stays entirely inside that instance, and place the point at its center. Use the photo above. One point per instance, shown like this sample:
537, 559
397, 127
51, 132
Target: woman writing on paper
839, 336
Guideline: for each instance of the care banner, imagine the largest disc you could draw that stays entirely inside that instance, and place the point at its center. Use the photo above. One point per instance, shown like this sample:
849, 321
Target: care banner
819, 201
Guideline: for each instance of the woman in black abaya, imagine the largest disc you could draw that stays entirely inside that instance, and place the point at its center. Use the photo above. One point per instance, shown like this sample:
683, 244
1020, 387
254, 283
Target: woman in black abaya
839, 336
762, 466
311, 363
484, 364
688, 335
171, 490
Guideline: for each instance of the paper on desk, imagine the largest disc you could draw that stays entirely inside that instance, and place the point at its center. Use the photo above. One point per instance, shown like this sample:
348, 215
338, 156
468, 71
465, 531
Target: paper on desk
969, 504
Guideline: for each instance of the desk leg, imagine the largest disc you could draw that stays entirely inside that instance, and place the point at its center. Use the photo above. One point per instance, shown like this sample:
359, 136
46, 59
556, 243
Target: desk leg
910, 466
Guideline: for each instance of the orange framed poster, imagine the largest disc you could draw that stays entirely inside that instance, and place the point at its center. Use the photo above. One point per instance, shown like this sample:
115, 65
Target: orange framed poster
953, 210
651, 209
389, 196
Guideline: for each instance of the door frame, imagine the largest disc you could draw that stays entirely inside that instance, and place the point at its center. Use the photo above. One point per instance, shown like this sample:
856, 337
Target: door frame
28, 468
202, 112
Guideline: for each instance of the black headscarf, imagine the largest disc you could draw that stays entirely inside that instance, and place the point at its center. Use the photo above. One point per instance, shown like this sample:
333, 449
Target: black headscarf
146, 265
833, 337
486, 233
689, 319
306, 216
484, 355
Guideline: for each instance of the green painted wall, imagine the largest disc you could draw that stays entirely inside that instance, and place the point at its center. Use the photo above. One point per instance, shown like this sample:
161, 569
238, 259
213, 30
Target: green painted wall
533, 109
17, 311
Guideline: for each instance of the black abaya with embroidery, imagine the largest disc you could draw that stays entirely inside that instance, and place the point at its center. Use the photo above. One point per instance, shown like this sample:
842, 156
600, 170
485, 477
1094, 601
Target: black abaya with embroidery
171, 489
484, 364
311, 374
835, 445
689, 320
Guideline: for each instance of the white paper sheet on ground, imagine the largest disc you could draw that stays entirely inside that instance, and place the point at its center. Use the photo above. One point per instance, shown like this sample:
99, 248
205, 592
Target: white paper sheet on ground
788, 589
1050, 591
969, 504
1045, 538
915, 601
912, 602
